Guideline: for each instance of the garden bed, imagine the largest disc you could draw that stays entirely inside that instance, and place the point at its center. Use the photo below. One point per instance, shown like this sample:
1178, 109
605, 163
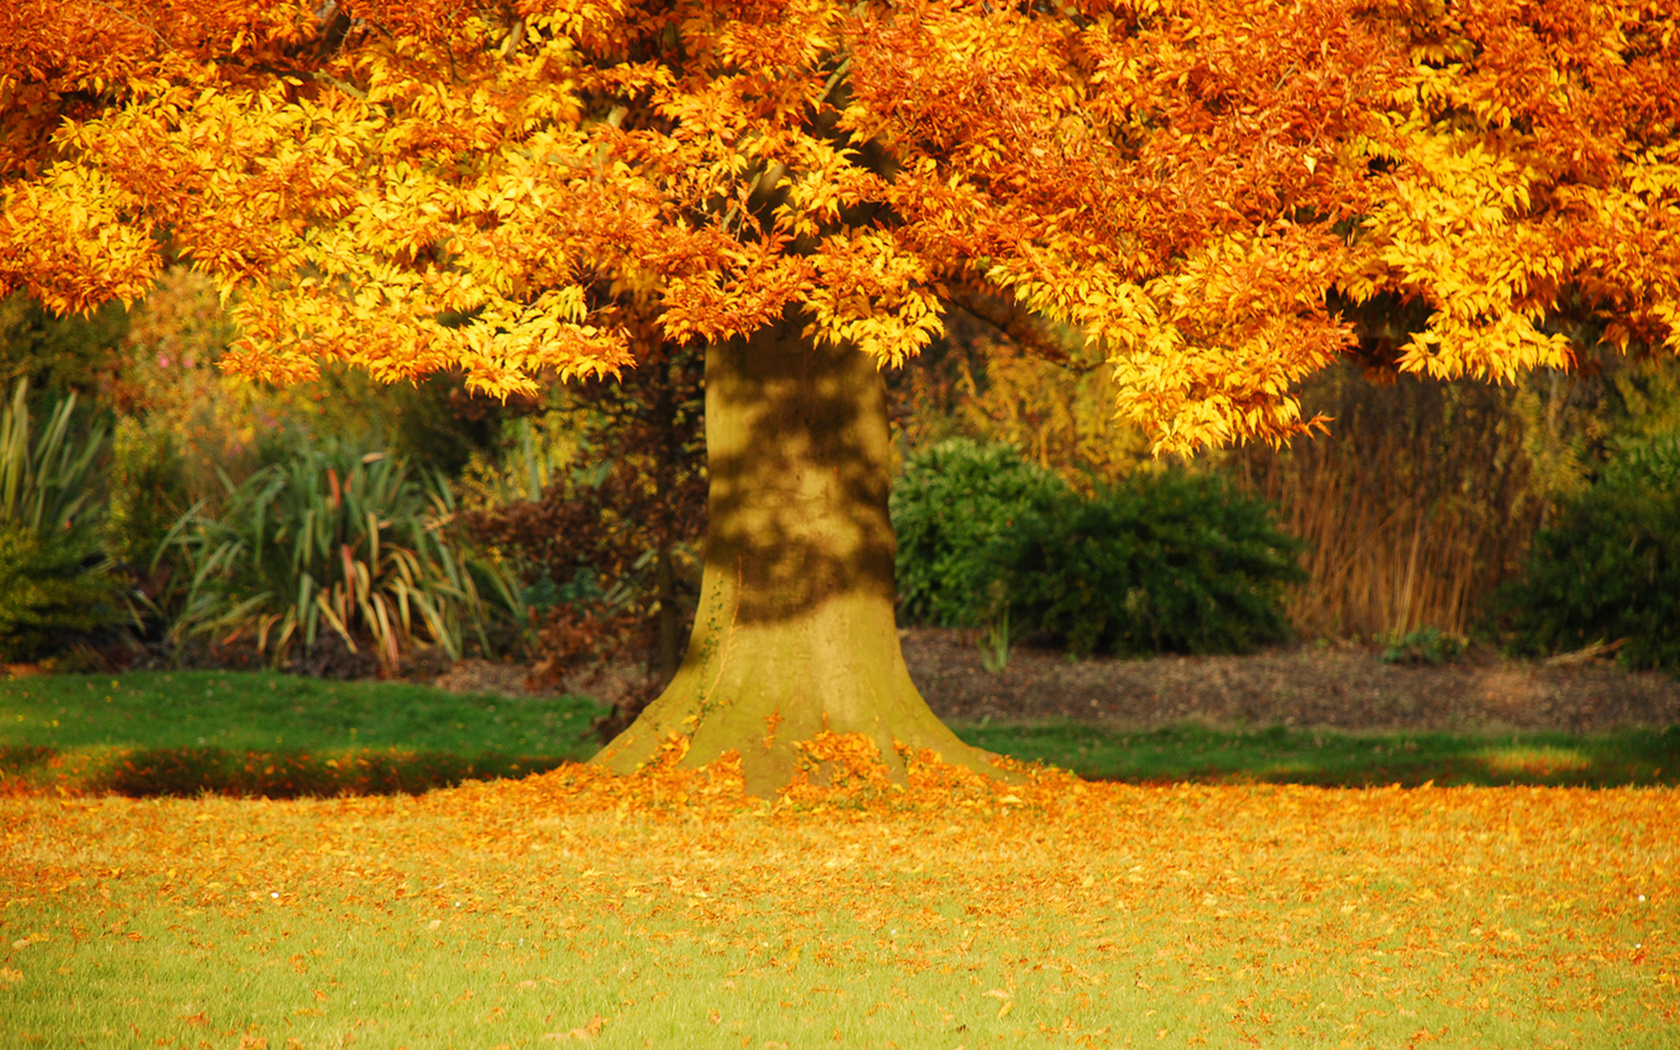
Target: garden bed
1345, 687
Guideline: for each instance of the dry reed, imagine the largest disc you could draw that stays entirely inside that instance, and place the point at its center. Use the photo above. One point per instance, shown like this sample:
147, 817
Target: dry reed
1419, 503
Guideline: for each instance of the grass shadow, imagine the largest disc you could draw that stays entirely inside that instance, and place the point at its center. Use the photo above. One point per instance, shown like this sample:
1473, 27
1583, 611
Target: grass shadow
190, 771
186, 772
248, 734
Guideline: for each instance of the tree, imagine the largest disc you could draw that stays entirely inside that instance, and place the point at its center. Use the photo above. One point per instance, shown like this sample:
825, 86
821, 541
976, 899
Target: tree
804, 187
58, 355
626, 514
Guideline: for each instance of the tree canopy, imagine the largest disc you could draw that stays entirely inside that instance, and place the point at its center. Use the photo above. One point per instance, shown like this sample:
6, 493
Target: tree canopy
1196, 187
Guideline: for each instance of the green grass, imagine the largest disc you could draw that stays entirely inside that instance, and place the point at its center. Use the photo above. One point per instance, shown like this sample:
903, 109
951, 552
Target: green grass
1181, 917
1641, 757
320, 971
520, 913
270, 734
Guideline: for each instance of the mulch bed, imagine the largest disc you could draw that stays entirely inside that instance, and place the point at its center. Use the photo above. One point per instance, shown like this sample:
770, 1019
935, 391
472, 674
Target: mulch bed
1335, 686
1341, 687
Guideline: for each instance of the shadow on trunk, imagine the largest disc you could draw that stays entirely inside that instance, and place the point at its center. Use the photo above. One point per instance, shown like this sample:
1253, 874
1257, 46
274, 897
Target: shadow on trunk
795, 631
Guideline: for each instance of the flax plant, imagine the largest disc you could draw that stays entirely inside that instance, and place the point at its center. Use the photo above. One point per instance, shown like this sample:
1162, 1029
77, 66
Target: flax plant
44, 483
340, 540
55, 583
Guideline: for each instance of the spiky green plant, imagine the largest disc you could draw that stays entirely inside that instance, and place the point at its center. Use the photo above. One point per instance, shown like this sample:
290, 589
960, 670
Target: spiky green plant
45, 484
55, 581
341, 540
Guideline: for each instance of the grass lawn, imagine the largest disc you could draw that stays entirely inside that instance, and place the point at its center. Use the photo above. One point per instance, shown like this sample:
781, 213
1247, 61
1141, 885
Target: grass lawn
668, 911
266, 734
276, 735
1622, 757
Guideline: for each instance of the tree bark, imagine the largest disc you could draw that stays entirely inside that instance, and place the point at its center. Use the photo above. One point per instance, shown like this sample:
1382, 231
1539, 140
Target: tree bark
795, 632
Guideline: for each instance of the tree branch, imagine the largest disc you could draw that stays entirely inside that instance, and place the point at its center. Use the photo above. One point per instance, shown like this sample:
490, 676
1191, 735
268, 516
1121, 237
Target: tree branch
515, 37
167, 46
1023, 328
324, 77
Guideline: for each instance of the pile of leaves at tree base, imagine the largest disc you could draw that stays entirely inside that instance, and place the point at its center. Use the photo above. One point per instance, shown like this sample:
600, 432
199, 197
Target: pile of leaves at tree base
842, 773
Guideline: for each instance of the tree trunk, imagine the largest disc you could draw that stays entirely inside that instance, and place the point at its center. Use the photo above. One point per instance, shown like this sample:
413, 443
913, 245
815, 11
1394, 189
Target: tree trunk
795, 630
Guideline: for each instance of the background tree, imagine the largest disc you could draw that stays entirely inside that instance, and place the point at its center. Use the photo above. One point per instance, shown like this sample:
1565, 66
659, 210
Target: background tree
59, 356
802, 186
608, 548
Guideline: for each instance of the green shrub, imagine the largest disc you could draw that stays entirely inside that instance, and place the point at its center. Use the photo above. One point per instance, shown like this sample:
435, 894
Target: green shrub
53, 589
1608, 569
55, 581
148, 493
59, 355
950, 508
343, 540
1425, 645
1163, 563
1168, 562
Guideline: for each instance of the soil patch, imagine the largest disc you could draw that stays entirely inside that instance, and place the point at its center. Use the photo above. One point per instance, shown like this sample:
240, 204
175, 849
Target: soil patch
1340, 687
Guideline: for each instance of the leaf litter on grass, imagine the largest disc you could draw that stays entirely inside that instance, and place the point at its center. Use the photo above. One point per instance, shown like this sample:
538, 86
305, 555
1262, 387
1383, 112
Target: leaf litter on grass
671, 909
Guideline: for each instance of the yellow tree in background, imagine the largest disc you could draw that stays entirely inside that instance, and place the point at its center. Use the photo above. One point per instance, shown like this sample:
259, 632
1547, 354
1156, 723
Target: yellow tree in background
806, 188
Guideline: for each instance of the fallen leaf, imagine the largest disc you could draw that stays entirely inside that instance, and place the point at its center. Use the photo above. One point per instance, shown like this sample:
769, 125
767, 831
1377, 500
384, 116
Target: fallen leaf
588, 1031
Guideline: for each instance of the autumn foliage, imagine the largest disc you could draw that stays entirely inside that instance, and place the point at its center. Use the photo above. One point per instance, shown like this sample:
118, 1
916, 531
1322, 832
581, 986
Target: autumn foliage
415, 186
